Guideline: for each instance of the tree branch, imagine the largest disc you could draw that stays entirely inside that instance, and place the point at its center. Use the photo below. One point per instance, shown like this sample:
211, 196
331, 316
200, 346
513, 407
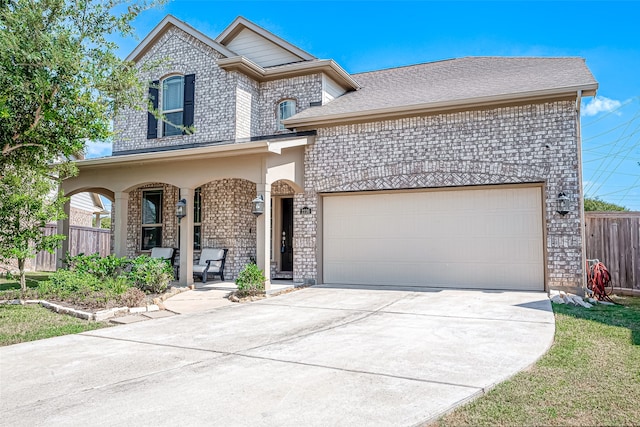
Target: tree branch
9, 148
36, 120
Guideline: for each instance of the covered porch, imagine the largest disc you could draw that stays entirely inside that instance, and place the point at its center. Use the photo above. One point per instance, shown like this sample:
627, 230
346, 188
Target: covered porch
217, 184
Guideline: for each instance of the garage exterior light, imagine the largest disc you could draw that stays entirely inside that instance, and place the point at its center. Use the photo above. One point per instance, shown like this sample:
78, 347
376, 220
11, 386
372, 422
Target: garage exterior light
563, 204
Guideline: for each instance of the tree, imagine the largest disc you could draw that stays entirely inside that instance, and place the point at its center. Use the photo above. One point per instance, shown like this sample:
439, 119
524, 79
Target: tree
596, 204
28, 201
61, 81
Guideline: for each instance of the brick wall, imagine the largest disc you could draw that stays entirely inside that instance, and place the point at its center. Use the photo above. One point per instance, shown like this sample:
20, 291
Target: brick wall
214, 113
302, 89
227, 221
228, 105
169, 220
521, 144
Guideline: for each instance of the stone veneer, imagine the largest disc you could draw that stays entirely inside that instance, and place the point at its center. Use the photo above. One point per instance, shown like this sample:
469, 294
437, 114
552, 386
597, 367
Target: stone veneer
508, 145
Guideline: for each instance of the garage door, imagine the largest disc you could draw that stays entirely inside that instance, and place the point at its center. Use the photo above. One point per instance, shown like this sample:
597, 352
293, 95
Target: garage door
468, 238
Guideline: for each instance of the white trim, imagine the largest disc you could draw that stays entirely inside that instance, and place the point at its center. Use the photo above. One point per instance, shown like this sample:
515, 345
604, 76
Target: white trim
253, 70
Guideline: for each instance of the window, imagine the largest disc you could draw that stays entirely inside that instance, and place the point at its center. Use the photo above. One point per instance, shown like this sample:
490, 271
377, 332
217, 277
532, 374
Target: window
197, 219
177, 93
286, 109
151, 219
172, 105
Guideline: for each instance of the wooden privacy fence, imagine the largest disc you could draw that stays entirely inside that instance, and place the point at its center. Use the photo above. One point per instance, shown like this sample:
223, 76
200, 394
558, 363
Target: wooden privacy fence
614, 239
85, 240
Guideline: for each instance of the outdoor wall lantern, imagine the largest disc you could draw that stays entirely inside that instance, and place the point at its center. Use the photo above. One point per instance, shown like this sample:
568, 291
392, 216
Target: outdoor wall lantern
563, 204
258, 205
181, 209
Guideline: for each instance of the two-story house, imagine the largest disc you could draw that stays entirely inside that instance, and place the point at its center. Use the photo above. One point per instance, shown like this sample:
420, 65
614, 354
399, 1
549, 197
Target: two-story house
457, 173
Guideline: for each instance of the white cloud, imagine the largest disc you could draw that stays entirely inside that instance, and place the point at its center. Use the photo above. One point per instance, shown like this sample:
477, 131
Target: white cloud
599, 104
97, 149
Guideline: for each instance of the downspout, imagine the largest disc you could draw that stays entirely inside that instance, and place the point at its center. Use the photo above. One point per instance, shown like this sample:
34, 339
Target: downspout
583, 249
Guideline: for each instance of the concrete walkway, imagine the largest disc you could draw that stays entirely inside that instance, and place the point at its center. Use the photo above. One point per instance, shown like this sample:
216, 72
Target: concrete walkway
318, 356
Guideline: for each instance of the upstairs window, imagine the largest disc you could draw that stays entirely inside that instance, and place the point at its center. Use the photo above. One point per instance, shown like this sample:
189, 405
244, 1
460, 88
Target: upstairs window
286, 109
177, 94
172, 105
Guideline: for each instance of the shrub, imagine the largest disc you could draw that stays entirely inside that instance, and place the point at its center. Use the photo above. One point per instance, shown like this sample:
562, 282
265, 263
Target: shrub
69, 285
251, 280
151, 274
101, 267
83, 288
133, 297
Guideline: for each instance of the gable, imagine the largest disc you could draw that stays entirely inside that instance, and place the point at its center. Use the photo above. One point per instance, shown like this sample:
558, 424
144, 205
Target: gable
168, 23
260, 46
260, 50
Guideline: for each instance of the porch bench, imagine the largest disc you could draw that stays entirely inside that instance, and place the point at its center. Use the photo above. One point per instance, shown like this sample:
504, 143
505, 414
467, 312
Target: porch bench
211, 263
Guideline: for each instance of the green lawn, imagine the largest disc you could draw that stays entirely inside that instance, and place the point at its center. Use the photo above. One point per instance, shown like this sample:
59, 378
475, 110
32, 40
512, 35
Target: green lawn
589, 377
21, 323
31, 278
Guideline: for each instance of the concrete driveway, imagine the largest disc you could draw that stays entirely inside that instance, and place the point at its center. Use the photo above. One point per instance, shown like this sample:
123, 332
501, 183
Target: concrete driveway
318, 356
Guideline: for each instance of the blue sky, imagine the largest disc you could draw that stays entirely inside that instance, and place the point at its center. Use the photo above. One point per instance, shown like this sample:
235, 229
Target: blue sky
368, 35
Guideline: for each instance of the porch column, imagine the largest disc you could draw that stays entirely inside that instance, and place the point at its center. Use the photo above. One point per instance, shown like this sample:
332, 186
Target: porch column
263, 235
186, 239
63, 228
98, 218
120, 223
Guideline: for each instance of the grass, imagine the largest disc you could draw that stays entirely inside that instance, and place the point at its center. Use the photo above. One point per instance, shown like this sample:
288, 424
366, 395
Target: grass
21, 323
590, 376
32, 280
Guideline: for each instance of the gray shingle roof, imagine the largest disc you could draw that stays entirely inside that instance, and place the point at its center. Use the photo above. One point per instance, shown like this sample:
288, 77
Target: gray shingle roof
456, 81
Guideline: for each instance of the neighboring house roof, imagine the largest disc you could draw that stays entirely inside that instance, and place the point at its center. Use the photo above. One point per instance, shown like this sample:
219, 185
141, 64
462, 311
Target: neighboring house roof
451, 84
88, 202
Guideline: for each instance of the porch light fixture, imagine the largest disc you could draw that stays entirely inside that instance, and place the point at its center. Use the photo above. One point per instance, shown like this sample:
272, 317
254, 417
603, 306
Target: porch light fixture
258, 205
181, 209
563, 204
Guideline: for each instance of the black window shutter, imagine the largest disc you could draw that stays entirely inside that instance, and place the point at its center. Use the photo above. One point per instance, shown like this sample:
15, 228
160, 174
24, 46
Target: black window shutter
152, 122
189, 94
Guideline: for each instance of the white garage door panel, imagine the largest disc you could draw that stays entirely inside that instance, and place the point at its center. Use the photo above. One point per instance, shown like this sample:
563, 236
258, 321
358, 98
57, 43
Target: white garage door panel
490, 238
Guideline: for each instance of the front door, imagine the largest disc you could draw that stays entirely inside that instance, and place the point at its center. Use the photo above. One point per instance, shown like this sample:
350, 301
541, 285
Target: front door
286, 237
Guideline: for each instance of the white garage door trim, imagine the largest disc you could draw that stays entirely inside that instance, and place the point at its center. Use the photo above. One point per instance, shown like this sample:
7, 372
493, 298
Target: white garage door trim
473, 237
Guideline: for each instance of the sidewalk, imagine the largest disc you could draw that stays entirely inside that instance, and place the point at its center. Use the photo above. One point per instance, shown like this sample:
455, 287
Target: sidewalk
210, 295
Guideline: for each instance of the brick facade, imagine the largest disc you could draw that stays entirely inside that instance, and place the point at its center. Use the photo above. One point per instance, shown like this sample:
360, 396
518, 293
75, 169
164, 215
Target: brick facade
533, 143
509, 145
228, 105
227, 221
